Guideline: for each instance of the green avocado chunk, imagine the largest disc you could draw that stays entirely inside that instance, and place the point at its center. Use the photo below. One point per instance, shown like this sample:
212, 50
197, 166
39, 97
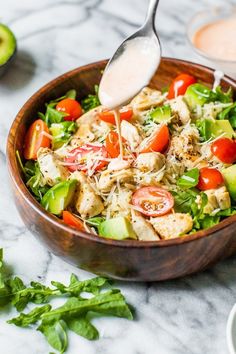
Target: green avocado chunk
161, 114
59, 197
7, 44
219, 127
118, 228
61, 133
229, 175
197, 94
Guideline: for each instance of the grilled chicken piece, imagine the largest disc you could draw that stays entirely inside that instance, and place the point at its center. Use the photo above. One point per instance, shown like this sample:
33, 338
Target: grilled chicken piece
143, 228
172, 225
117, 164
147, 99
50, 167
130, 133
217, 199
184, 147
87, 202
180, 108
150, 161
108, 178
223, 198
212, 203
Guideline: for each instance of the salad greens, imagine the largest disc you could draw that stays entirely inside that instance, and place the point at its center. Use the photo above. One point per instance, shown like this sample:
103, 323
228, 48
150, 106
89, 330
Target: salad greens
76, 313
189, 179
91, 101
230, 114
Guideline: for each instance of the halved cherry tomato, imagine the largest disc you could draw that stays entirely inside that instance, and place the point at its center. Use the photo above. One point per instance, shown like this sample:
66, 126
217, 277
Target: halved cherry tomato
158, 142
224, 149
79, 156
153, 201
72, 220
108, 116
112, 144
36, 139
71, 107
180, 84
209, 178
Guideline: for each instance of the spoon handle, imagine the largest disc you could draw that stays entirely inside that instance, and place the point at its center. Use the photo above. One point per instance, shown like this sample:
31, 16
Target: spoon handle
151, 13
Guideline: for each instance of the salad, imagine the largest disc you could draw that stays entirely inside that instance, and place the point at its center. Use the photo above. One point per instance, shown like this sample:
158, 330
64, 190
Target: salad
165, 170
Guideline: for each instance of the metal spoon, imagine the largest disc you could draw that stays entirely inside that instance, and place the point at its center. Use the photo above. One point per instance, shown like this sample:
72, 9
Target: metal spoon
146, 32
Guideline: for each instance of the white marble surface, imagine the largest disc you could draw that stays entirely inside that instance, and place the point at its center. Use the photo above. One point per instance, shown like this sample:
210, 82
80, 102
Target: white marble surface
185, 316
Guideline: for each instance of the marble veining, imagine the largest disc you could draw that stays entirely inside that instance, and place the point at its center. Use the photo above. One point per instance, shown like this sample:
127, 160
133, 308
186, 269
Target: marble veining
186, 316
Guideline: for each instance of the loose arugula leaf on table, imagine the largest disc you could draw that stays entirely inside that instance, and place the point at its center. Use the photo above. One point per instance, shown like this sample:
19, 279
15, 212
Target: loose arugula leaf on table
75, 315
189, 179
24, 320
4, 289
55, 334
76, 287
91, 101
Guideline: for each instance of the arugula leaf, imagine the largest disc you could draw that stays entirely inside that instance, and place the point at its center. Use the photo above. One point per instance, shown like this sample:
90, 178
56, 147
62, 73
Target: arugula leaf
52, 115
4, 289
26, 319
75, 315
35, 180
96, 221
82, 327
230, 114
184, 201
203, 126
91, 101
21, 295
76, 287
102, 303
227, 212
189, 179
209, 221
220, 96
55, 334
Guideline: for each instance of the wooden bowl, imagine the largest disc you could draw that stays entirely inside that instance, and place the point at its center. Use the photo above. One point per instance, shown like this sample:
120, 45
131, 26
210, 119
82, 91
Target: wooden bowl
127, 260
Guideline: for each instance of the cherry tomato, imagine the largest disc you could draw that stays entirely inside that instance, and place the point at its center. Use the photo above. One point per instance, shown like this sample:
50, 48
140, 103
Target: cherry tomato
108, 116
36, 139
180, 84
153, 201
209, 178
112, 144
159, 141
72, 220
224, 149
71, 107
80, 155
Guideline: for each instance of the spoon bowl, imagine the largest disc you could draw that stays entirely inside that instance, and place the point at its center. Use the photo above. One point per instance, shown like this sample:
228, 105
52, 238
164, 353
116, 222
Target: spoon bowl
139, 53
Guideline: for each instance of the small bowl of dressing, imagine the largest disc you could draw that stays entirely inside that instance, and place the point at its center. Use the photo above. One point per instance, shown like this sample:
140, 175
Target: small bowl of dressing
212, 34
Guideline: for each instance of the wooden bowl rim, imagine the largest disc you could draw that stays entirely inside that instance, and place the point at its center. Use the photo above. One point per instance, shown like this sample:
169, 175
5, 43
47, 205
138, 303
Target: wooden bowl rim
36, 206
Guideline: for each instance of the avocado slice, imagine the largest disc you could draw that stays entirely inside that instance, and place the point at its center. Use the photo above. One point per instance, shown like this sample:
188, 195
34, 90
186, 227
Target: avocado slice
219, 127
197, 94
229, 175
161, 114
61, 133
7, 47
118, 228
59, 197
